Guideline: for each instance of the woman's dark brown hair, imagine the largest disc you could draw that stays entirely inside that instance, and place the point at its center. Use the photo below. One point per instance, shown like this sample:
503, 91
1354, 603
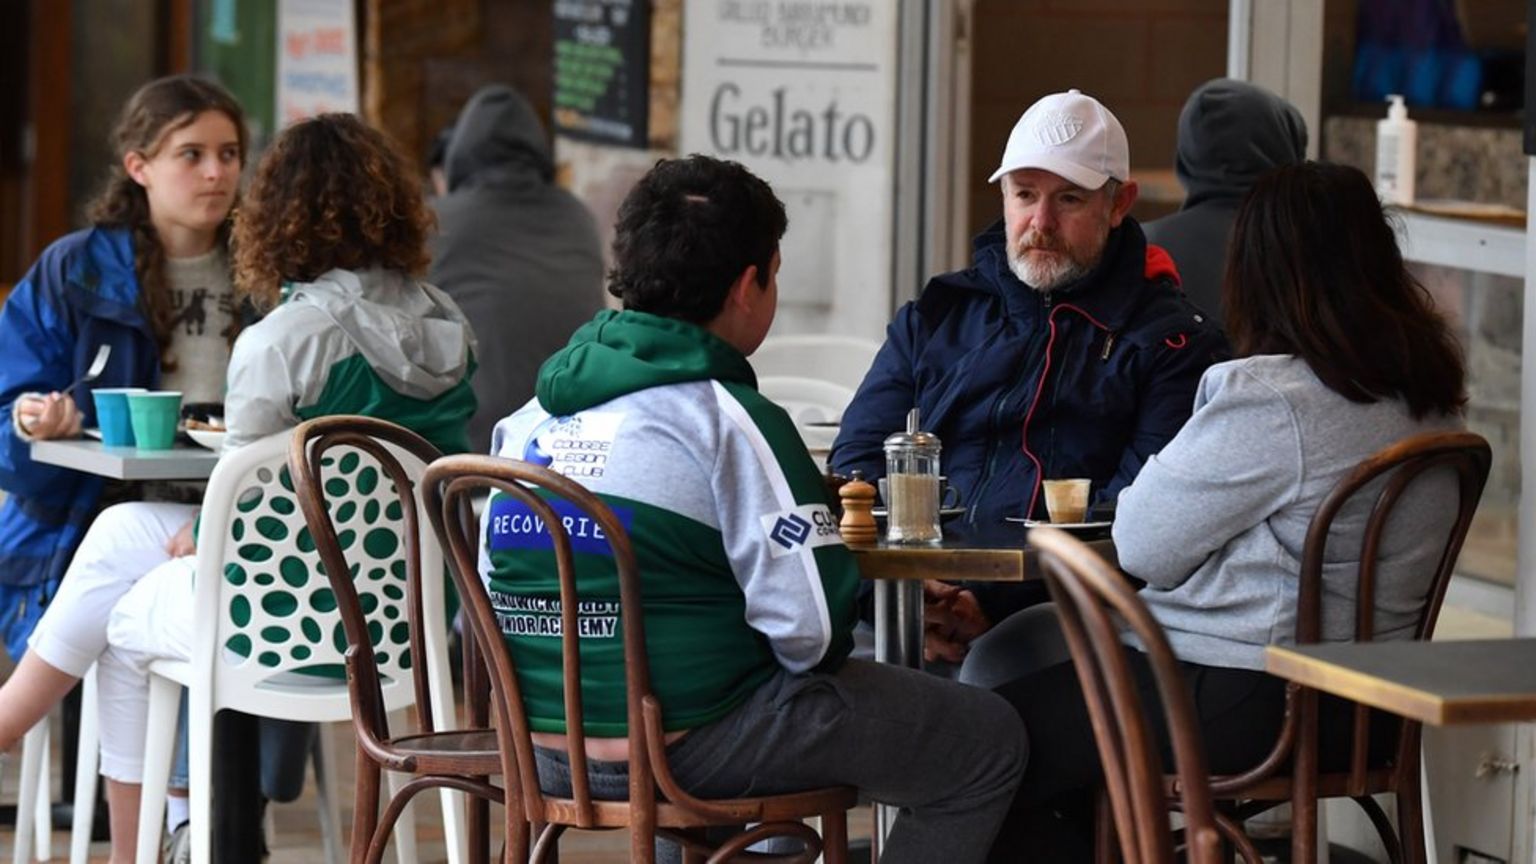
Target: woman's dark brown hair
158, 108
330, 193
1313, 270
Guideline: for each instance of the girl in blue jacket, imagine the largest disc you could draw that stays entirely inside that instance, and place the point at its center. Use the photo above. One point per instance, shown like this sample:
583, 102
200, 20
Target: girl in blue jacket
150, 278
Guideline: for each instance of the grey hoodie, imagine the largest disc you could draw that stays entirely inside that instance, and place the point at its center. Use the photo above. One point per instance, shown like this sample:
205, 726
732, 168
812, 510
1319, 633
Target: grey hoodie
1230, 133
520, 255
373, 342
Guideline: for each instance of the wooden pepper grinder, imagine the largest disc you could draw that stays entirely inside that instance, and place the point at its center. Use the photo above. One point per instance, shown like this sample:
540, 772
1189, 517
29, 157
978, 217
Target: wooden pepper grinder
858, 526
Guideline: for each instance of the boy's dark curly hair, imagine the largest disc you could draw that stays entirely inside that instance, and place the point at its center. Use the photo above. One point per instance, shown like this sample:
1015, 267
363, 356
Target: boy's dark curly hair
330, 193
687, 231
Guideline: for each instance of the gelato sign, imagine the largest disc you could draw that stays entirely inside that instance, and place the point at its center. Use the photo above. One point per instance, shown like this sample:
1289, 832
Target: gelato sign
804, 93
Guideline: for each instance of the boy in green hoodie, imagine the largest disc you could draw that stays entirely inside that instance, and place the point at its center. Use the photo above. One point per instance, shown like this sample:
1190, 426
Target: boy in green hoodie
748, 587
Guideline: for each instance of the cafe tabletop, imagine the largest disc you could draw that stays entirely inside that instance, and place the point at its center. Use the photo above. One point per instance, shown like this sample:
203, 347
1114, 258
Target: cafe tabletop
996, 553
181, 462
1440, 683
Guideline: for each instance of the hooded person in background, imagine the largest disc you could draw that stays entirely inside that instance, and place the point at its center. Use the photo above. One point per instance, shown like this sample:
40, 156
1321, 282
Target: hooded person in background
1230, 133
520, 255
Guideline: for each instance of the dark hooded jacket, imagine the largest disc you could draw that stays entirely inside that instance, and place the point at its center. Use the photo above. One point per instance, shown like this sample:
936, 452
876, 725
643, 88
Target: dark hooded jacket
1230, 133
520, 255
1086, 381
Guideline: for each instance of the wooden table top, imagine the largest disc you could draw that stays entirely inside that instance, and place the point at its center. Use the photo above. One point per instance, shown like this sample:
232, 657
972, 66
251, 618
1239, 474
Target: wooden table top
1440, 683
992, 554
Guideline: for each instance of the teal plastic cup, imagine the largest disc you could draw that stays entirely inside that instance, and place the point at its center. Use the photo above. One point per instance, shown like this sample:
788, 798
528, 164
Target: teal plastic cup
154, 415
112, 415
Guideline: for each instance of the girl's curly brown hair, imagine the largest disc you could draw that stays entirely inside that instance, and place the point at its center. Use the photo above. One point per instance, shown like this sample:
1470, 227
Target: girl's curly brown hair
331, 192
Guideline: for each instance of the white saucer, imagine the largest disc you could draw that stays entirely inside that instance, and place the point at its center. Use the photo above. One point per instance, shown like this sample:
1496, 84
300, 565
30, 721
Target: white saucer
1065, 526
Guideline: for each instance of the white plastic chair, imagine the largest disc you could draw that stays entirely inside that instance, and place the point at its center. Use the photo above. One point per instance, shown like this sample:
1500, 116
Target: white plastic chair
34, 795
815, 406
266, 611
842, 360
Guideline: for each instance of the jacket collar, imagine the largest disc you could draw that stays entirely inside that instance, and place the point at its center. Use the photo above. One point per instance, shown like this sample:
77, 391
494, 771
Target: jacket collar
1110, 293
102, 282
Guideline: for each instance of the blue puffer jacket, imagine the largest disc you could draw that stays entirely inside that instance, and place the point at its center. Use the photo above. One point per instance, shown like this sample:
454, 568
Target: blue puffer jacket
1087, 381
81, 294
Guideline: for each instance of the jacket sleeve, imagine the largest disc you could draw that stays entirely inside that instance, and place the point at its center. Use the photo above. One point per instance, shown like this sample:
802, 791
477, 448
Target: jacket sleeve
1167, 397
881, 404
261, 395
1237, 462
797, 576
39, 343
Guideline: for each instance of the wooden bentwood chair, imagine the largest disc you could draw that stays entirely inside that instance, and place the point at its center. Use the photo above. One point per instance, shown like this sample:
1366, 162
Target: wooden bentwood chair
1091, 598
656, 805
1290, 772
328, 457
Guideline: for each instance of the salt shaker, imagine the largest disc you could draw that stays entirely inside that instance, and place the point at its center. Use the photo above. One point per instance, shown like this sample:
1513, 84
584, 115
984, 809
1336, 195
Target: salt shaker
912, 485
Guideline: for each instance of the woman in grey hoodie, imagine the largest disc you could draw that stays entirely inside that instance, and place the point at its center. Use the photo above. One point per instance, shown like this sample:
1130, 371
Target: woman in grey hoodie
1340, 354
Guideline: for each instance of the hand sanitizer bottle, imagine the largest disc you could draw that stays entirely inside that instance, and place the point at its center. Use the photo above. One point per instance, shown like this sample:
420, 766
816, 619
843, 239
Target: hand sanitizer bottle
1397, 141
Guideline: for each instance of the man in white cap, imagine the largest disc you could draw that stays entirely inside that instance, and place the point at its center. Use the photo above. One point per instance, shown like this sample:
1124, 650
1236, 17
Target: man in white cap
1065, 350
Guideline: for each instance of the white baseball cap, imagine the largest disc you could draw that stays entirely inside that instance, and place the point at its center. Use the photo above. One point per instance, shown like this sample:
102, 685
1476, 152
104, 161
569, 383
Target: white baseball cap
1072, 136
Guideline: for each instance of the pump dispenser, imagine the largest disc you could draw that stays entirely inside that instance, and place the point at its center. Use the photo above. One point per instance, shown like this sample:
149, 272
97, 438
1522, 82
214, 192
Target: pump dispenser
1397, 142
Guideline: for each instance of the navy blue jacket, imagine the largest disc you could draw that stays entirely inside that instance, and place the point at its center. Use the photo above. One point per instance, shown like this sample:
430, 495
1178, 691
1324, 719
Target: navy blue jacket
82, 293
1086, 381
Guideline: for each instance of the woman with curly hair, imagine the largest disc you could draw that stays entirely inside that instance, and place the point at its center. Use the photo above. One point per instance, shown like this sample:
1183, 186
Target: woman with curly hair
149, 278
331, 231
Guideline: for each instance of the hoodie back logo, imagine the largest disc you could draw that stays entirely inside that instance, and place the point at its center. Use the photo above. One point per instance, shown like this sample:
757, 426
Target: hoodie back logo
1055, 128
577, 446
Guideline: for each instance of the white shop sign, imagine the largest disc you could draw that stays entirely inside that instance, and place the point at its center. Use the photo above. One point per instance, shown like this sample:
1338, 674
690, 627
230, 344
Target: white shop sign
316, 59
804, 94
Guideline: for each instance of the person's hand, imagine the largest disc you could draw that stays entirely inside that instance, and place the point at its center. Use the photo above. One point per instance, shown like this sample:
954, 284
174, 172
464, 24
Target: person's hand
181, 544
48, 417
952, 618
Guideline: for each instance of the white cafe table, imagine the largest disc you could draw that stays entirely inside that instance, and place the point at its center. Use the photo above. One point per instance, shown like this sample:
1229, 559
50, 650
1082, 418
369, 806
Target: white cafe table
181, 462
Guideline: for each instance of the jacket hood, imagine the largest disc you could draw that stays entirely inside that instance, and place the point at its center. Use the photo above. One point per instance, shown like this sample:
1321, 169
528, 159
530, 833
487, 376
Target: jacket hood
617, 353
412, 335
498, 138
1230, 132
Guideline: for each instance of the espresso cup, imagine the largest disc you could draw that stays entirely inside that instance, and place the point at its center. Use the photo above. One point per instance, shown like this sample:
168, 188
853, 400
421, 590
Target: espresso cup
112, 416
154, 415
1067, 500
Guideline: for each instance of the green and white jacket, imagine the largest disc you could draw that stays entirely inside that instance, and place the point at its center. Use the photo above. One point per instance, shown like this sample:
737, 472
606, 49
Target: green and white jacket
742, 568
373, 342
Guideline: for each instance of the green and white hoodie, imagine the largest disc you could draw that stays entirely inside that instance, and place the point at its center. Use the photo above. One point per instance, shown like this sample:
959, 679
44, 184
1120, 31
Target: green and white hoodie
742, 567
373, 342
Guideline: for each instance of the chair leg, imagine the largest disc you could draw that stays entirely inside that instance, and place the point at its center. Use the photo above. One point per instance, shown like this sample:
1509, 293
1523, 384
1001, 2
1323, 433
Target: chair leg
1410, 819
200, 773
405, 827
1105, 850
444, 718
159, 742
834, 837
87, 760
365, 807
324, 756
34, 761
42, 814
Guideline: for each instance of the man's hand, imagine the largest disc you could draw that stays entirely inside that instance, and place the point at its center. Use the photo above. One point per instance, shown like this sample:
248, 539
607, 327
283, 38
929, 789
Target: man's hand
48, 417
951, 620
181, 544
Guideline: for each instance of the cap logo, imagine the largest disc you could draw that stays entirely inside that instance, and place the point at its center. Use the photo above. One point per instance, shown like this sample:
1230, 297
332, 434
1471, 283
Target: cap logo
1055, 128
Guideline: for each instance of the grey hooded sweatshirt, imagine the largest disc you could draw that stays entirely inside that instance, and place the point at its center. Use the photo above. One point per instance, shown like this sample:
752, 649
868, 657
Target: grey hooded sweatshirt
1230, 133
519, 255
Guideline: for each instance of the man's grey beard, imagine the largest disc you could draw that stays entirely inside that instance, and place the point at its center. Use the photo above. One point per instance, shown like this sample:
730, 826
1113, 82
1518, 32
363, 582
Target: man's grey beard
1045, 275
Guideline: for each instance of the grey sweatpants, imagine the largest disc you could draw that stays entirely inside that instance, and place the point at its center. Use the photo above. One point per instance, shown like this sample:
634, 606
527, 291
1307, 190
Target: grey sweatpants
948, 755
